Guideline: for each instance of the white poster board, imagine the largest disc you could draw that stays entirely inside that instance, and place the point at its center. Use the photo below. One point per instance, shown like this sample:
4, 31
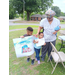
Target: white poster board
40, 42
24, 46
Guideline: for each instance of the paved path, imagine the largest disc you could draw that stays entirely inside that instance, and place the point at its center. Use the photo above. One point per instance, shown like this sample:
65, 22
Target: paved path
11, 23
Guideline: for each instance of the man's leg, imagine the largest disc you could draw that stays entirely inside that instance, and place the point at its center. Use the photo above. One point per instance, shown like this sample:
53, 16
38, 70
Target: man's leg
44, 51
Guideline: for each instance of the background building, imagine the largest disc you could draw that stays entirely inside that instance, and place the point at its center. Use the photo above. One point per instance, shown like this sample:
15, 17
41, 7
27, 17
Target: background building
61, 18
37, 17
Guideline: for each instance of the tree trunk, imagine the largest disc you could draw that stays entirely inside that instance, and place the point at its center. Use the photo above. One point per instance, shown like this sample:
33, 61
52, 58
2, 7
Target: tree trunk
28, 16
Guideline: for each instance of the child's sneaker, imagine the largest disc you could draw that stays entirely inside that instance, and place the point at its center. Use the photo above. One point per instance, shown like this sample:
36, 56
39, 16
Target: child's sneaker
38, 61
35, 59
32, 62
28, 59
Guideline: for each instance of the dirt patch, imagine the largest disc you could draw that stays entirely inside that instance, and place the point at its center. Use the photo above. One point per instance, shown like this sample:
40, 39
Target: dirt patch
15, 62
35, 65
10, 55
13, 49
24, 71
31, 67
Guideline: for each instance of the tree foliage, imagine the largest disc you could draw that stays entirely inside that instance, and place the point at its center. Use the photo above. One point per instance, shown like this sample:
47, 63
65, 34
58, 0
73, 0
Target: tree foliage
12, 11
31, 6
57, 10
62, 14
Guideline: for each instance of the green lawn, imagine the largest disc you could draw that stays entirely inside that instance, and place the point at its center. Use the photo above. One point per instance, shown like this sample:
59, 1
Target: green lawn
22, 26
19, 66
62, 22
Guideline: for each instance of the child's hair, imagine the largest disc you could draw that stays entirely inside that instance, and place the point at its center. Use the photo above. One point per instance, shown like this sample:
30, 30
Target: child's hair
30, 28
40, 33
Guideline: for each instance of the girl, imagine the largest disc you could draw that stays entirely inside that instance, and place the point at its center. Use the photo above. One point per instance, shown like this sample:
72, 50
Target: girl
37, 48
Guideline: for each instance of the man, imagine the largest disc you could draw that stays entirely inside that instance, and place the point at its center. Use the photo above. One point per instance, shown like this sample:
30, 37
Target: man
48, 24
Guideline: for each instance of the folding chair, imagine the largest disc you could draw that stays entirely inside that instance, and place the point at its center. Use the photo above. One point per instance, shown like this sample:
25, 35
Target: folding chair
57, 57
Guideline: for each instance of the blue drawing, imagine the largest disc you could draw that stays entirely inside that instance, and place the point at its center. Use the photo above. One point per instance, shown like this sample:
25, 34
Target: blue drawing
29, 38
23, 48
26, 41
14, 44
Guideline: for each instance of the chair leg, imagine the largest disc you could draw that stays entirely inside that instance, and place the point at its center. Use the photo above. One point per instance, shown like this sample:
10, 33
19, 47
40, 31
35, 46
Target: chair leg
54, 67
51, 63
50, 60
63, 64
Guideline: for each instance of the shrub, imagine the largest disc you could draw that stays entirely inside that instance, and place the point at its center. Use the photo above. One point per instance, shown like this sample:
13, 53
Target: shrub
62, 21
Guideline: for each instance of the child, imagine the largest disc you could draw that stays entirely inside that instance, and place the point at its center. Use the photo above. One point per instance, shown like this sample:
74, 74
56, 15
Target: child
29, 33
37, 49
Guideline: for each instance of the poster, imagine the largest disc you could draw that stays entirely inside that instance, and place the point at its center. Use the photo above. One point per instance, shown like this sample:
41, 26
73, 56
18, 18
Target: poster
40, 42
23, 46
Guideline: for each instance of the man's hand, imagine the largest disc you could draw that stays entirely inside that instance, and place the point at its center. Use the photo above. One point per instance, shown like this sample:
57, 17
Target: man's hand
36, 35
44, 43
39, 29
55, 32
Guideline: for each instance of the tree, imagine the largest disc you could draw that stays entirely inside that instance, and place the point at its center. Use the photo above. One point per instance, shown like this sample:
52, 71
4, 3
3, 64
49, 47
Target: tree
62, 14
31, 6
12, 11
57, 10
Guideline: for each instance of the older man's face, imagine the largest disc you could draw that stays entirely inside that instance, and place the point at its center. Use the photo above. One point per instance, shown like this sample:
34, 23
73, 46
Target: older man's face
49, 18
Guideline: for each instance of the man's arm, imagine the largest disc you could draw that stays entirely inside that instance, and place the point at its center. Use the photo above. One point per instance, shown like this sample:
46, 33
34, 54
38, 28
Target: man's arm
39, 29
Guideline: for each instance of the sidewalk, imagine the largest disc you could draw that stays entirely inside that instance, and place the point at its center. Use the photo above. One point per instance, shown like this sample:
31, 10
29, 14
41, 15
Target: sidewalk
27, 23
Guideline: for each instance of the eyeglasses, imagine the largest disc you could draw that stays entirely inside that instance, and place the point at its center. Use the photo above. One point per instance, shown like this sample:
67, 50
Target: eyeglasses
49, 17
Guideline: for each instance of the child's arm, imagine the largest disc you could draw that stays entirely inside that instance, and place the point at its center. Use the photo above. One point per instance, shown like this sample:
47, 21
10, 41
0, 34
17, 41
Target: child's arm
35, 41
21, 36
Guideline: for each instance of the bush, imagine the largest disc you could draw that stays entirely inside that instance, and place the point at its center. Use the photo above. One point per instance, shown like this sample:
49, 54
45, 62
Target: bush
62, 21
55, 16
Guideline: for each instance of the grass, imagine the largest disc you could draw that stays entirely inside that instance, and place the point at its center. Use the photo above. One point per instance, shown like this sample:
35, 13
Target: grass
19, 66
22, 26
62, 22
